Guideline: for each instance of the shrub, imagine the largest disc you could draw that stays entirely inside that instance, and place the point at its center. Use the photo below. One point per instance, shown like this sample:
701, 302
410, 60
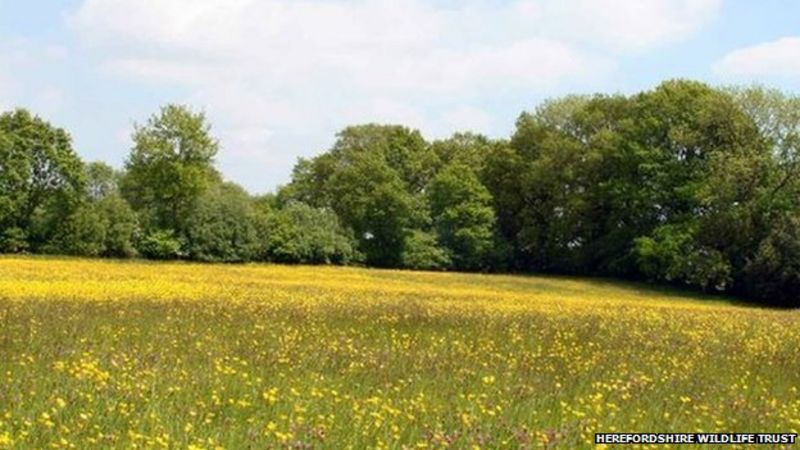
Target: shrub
160, 244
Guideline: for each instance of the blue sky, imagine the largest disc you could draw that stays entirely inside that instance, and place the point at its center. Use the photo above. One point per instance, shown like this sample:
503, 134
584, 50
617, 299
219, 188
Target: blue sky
278, 78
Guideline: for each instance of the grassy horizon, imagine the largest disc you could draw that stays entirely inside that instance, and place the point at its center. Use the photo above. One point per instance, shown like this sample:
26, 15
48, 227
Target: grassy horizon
103, 354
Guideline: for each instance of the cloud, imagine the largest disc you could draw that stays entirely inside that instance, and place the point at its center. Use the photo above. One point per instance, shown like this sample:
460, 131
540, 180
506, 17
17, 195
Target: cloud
24, 66
267, 71
468, 118
777, 58
628, 25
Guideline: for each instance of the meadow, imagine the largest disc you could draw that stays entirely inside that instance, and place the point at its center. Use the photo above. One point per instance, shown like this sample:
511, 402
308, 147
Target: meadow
125, 354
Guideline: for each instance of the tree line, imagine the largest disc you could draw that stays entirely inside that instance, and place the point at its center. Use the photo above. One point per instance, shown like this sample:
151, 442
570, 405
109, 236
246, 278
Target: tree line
684, 184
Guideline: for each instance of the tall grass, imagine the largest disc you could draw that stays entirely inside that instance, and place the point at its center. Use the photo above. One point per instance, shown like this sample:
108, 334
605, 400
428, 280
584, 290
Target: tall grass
103, 354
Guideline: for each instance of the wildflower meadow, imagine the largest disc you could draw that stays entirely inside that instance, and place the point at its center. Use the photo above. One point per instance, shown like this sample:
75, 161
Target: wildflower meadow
110, 354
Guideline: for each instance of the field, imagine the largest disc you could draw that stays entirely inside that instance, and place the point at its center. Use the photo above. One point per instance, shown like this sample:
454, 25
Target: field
104, 354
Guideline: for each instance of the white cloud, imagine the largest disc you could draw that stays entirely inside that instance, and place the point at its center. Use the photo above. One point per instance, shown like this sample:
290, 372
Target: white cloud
267, 69
468, 118
23, 66
628, 25
776, 58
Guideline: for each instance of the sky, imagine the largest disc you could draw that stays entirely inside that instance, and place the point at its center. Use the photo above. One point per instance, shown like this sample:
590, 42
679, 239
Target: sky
278, 78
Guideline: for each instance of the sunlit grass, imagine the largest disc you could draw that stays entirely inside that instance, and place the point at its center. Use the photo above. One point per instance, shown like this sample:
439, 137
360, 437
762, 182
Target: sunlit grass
103, 354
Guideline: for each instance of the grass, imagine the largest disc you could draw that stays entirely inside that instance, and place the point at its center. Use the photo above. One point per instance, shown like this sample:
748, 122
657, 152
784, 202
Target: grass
105, 354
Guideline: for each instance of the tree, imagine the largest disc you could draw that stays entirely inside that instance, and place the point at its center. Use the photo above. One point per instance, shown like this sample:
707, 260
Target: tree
103, 224
41, 181
222, 226
170, 167
468, 149
101, 180
403, 150
160, 244
551, 185
373, 179
103, 227
462, 215
299, 233
423, 252
370, 198
773, 274
121, 226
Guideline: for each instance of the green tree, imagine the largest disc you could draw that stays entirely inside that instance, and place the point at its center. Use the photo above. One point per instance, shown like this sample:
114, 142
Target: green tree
370, 198
160, 244
222, 226
41, 181
423, 252
299, 233
170, 167
468, 149
461, 209
104, 224
103, 227
773, 274
404, 150
373, 179
101, 180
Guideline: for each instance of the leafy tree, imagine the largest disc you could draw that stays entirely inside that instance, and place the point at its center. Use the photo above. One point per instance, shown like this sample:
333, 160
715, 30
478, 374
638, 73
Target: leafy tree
372, 179
370, 197
549, 187
121, 226
170, 167
160, 244
299, 233
403, 150
463, 217
422, 251
41, 181
81, 234
106, 226
673, 254
103, 224
101, 180
710, 165
222, 226
773, 274
468, 149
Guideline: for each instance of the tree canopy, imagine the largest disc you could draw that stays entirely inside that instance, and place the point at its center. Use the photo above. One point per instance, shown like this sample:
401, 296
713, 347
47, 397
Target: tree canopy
684, 184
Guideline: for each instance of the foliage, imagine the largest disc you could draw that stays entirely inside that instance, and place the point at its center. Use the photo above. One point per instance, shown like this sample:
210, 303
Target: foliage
154, 355
41, 180
672, 254
170, 167
462, 214
299, 233
773, 274
423, 252
101, 180
160, 244
222, 226
684, 184
372, 178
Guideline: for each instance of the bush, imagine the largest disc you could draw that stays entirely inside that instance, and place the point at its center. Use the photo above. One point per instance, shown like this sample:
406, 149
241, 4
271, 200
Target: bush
82, 234
672, 254
422, 252
103, 227
299, 233
160, 244
222, 226
773, 275
13, 240
122, 226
